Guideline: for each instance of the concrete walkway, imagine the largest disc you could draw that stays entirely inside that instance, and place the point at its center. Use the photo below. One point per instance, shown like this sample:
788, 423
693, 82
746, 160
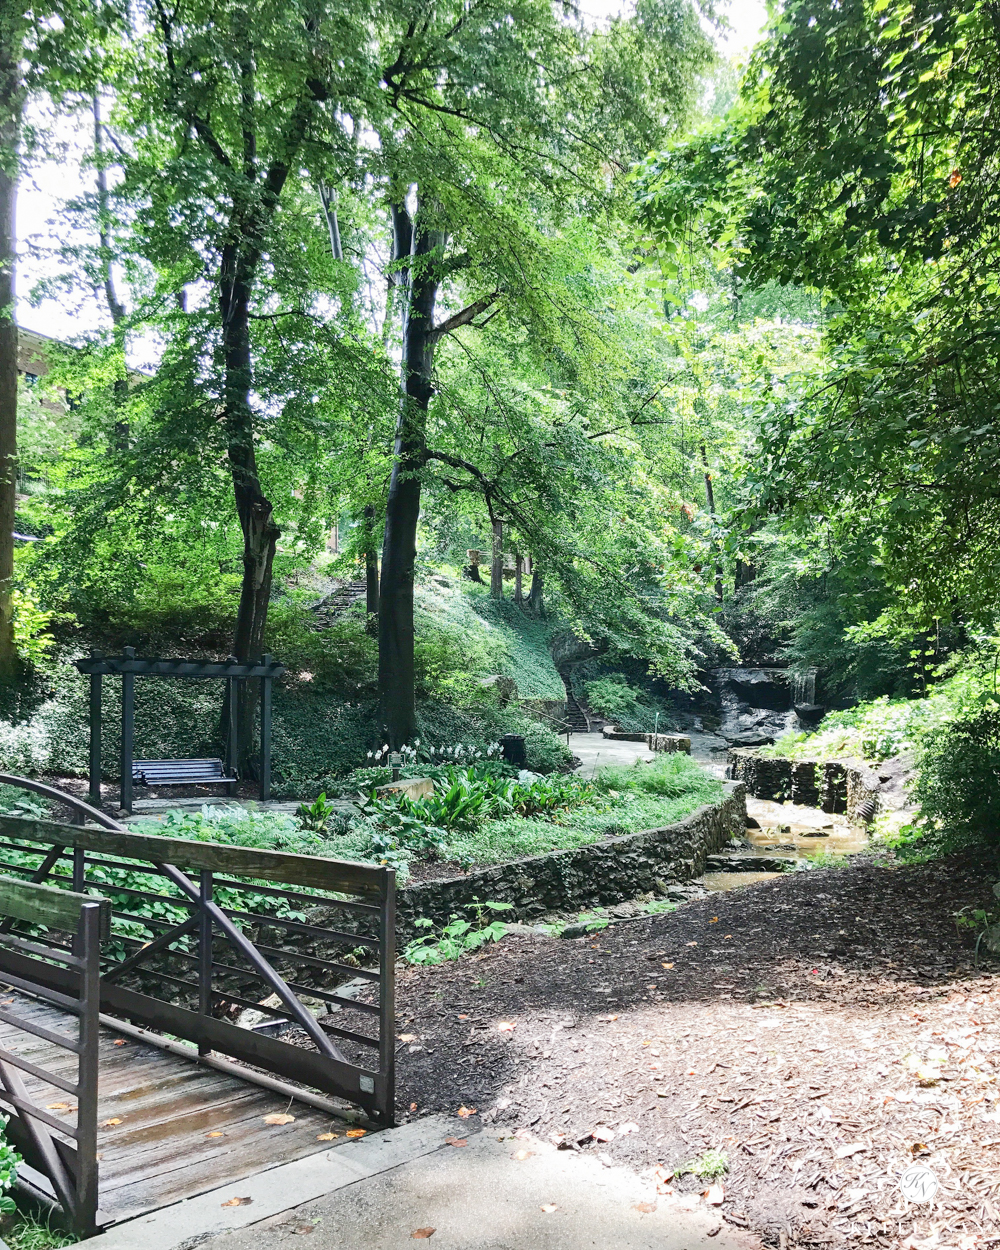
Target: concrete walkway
495, 1193
594, 751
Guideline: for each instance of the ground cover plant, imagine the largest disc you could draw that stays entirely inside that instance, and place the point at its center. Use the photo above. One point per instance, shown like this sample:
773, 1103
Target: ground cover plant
515, 819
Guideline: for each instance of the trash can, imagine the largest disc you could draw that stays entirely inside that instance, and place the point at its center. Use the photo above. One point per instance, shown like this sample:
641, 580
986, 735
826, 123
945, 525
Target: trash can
513, 750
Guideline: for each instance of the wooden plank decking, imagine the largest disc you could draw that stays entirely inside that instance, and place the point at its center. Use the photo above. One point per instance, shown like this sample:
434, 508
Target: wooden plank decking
180, 1130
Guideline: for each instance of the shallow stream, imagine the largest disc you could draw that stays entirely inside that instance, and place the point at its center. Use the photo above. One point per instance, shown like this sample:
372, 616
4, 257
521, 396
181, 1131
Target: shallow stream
789, 832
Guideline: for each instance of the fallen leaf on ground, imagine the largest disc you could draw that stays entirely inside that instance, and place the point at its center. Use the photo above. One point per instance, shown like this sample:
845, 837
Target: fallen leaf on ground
304, 1228
626, 1128
601, 1133
356, 1132
110, 1123
521, 1155
236, 1202
455, 1141
407, 1037
506, 1026
413, 1106
120, 1041
421, 1234
714, 1195
58, 1106
548, 1207
215, 1134
647, 1208
465, 1112
666, 965
281, 1118
663, 1176
326, 1136
690, 943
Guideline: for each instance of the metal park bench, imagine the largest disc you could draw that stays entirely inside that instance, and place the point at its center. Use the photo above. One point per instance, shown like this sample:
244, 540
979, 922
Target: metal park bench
181, 773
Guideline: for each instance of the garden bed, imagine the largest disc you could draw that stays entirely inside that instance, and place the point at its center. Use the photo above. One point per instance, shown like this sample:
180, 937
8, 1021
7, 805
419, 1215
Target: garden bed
596, 874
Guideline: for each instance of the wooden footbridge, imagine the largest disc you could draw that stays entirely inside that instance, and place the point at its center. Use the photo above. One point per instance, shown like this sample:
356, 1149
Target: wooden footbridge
182, 1014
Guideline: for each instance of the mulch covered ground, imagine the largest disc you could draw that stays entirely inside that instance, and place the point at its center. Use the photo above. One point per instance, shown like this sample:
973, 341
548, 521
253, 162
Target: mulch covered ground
824, 1029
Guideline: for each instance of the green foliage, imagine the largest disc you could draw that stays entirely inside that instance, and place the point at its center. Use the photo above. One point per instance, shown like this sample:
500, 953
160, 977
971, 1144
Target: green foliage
823, 178
632, 710
825, 859
27, 1232
463, 799
709, 1165
315, 816
458, 936
958, 786
9, 1159
670, 776
528, 656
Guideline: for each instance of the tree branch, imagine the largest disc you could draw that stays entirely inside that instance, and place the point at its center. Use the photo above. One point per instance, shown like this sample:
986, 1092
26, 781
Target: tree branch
463, 318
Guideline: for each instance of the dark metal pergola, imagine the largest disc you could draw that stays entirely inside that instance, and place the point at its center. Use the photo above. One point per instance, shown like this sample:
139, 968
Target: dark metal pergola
129, 666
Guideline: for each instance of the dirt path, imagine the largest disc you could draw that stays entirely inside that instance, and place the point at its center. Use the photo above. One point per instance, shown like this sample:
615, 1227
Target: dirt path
823, 1029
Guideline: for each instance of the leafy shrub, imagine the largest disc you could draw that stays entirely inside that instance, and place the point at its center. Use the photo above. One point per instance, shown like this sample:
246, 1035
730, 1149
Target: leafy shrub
633, 710
458, 936
9, 1159
670, 776
958, 785
463, 799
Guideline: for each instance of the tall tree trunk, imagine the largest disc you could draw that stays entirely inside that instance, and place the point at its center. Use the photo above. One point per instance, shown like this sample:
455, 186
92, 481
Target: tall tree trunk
255, 512
329, 202
496, 561
710, 496
371, 566
518, 595
116, 309
535, 602
11, 105
399, 547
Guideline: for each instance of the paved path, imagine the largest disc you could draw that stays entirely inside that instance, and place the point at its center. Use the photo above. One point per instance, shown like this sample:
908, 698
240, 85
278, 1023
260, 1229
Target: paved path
483, 1196
594, 751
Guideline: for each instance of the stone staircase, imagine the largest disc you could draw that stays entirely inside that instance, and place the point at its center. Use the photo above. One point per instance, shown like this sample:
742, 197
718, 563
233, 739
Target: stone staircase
579, 717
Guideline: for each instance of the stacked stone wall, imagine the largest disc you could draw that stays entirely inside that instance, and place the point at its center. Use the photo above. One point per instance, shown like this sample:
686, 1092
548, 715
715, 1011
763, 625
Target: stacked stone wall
597, 875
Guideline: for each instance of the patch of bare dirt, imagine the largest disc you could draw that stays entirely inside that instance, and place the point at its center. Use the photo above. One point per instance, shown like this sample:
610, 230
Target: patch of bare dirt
824, 1029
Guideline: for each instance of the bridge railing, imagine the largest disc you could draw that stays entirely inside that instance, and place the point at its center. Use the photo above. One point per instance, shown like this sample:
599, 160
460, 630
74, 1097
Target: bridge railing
62, 1147
277, 967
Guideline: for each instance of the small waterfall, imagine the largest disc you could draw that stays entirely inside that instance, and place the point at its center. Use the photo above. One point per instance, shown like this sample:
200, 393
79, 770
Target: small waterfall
804, 686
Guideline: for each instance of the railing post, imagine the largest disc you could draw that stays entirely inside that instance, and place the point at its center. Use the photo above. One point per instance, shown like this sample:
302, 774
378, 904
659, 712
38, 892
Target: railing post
79, 868
205, 955
89, 949
387, 997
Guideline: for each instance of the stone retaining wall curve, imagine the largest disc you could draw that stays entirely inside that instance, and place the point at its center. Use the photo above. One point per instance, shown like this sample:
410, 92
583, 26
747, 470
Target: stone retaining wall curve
598, 875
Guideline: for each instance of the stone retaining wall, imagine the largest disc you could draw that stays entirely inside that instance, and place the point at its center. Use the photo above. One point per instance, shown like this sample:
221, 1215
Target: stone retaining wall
842, 786
597, 875
669, 743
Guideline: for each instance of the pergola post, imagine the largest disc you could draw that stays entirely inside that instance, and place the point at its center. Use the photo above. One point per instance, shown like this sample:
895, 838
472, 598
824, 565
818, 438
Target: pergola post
94, 796
265, 731
128, 727
232, 755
